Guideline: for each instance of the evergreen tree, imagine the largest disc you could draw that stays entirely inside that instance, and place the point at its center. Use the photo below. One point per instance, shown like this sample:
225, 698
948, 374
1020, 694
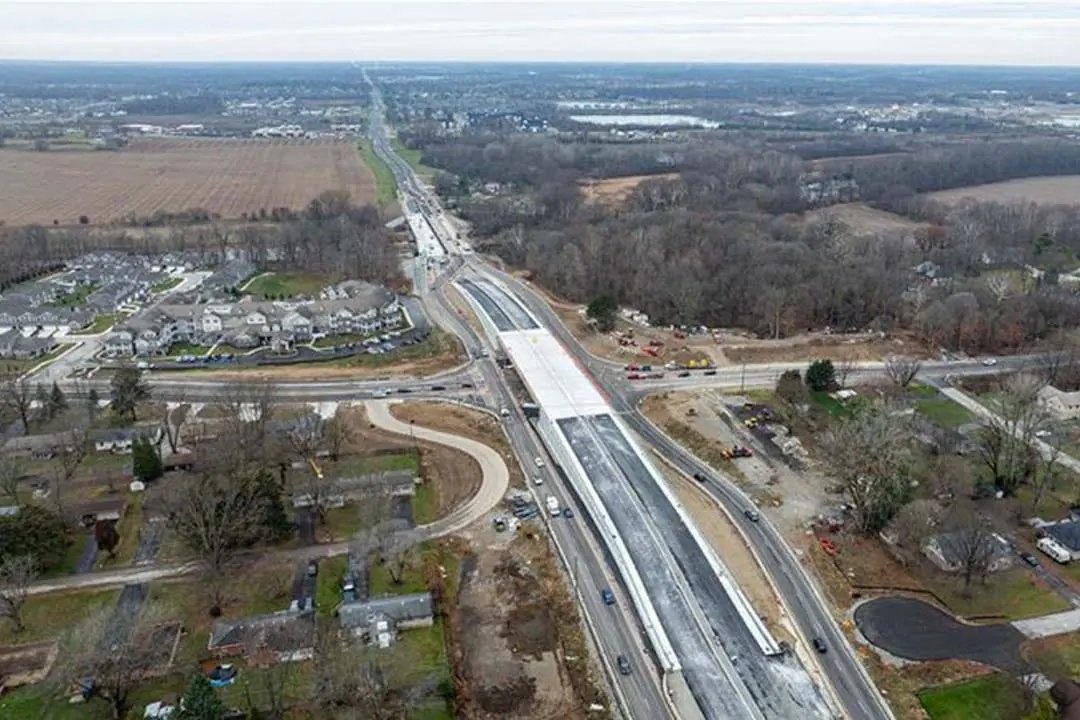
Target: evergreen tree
128, 390
200, 702
275, 519
821, 376
145, 460
92, 400
57, 401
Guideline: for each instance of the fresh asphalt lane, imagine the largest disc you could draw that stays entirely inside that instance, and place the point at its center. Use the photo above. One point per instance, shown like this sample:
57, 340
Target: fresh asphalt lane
846, 675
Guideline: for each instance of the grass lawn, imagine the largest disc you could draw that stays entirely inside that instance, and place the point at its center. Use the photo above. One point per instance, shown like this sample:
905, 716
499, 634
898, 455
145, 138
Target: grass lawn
287, 284
436, 344
352, 465
425, 505
178, 349
1013, 594
918, 390
101, 324
165, 285
328, 584
18, 367
413, 158
385, 185
47, 616
944, 412
336, 340
129, 528
829, 404
993, 697
76, 297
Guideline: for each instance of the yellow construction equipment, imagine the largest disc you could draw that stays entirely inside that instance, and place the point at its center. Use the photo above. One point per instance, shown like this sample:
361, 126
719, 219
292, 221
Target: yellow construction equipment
315, 468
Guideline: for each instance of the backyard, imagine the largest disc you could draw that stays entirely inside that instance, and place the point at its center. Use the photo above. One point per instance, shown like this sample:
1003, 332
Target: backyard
287, 285
994, 697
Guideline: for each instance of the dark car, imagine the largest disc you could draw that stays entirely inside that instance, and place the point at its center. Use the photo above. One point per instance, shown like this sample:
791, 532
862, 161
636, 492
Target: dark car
567, 513
436, 388
607, 596
819, 645
1030, 559
709, 372
699, 477
752, 515
404, 391
466, 385
624, 665
684, 373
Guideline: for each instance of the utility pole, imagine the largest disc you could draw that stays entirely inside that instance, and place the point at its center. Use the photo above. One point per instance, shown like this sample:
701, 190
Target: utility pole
742, 380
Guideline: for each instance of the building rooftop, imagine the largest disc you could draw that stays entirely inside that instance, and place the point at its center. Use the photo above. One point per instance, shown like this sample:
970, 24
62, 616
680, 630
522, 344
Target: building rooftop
398, 608
1066, 532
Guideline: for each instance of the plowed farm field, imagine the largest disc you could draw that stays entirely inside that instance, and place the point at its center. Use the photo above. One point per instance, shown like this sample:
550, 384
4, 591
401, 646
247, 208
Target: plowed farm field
228, 177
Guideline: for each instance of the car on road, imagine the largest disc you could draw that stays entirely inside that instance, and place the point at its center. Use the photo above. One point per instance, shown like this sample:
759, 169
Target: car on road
539, 462
684, 373
1030, 559
607, 596
700, 477
538, 480
567, 513
709, 372
466, 386
624, 665
436, 388
751, 514
819, 645
404, 391
989, 362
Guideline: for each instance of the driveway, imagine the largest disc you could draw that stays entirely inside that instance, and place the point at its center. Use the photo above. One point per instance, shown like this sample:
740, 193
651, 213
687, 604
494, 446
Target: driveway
915, 630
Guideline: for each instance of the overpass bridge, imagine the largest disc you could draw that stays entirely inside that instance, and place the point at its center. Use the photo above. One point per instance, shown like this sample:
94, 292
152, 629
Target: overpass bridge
699, 623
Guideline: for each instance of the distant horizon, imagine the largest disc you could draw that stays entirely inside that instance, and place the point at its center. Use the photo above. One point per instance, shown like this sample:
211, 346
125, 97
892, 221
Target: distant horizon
946, 33
553, 63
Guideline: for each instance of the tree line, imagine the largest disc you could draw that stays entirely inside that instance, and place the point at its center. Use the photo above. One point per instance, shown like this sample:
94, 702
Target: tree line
330, 236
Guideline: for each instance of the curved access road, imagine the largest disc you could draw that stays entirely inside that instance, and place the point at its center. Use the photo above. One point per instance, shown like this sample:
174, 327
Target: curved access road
495, 476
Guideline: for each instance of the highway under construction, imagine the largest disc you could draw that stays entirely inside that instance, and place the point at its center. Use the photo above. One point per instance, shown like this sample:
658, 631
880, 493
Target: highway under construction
702, 630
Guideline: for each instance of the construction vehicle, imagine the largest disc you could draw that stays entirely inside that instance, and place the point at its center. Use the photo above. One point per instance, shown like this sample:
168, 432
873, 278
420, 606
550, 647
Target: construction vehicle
315, 468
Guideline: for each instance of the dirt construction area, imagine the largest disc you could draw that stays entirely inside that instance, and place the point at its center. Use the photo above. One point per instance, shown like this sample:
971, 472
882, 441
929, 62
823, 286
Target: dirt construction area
466, 423
522, 648
228, 177
615, 191
704, 423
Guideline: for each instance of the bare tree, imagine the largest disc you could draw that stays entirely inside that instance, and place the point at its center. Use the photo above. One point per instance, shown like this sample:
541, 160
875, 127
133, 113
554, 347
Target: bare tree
215, 516
1047, 473
1005, 442
338, 435
115, 654
397, 551
173, 420
71, 451
844, 368
870, 455
251, 407
355, 682
17, 573
914, 523
18, 396
972, 541
901, 371
277, 649
12, 475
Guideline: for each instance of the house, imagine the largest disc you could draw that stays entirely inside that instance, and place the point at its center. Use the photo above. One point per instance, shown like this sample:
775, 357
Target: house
37, 446
378, 620
247, 324
120, 440
288, 634
1067, 534
949, 550
14, 345
1060, 404
94, 511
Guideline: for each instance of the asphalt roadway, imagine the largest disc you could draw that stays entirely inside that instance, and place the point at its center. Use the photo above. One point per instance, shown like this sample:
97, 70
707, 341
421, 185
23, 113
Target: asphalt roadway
849, 680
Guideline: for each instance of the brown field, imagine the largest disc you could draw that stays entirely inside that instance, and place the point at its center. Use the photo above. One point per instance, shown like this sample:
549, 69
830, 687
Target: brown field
866, 220
1063, 190
228, 177
615, 190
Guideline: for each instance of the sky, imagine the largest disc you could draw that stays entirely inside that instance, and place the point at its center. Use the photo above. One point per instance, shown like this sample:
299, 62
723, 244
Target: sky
966, 32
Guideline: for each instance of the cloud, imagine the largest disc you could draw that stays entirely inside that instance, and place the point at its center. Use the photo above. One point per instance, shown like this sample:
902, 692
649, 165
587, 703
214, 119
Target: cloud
928, 31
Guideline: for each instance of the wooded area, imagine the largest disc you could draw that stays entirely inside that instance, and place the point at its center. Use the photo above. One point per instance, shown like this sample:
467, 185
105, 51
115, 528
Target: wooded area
728, 243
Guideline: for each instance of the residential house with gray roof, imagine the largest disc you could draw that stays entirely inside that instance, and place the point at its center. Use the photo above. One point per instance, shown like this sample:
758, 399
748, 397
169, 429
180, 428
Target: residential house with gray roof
246, 325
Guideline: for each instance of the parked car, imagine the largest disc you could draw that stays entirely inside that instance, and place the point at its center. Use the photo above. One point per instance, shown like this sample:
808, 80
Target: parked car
607, 596
989, 362
819, 645
538, 480
466, 386
624, 665
1030, 559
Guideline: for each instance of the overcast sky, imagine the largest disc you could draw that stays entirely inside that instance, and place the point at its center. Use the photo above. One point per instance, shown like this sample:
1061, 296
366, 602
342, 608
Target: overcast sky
985, 32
